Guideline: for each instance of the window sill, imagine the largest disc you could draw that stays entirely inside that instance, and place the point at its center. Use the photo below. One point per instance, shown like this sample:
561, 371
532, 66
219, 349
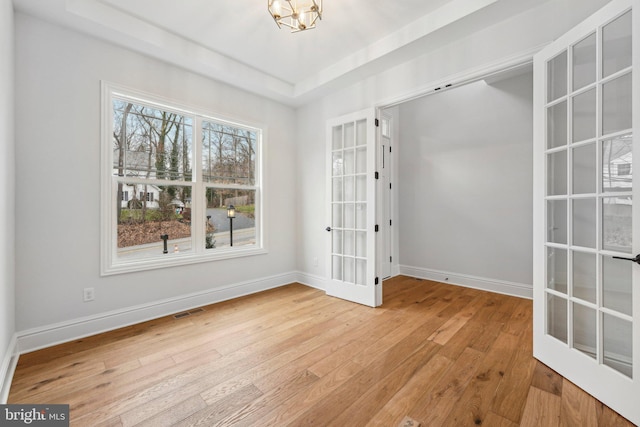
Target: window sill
173, 260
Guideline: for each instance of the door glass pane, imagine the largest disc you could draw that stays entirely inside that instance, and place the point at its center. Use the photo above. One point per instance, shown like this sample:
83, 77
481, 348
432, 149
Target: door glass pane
557, 269
584, 276
557, 77
349, 189
336, 138
349, 270
336, 267
361, 188
616, 163
557, 221
616, 45
584, 329
584, 116
361, 244
336, 215
557, 125
349, 162
336, 242
361, 216
557, 173
617, 343
584, 169
616, 284
349, 135
338, 164
361, 133
349, 215
557, 317
349, 244
584, 62
336, 192
584, 223
361, 272
616, 105
361, 160
616, 227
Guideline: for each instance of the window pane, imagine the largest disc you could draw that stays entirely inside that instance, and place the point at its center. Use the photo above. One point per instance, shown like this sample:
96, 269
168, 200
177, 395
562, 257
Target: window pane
557, 269
616, 227
151, 143
557, 173
151, 212
617, 157
616, 278
228, 154
584, 116
616, 105
584, 169
223, 231
557, 317
584, 276
557, 221
617, 342
584, 62
584, 223
557, 125
616, 45
557, 77
584, 329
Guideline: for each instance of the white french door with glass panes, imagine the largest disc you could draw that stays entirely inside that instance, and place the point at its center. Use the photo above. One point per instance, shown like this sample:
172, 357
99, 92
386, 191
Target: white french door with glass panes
351, 210
586, 227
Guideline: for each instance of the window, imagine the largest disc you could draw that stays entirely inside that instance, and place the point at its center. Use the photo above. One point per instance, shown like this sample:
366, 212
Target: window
624, 169
170, 178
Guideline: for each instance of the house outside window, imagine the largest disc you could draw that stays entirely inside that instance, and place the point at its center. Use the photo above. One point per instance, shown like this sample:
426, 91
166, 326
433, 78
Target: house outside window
182, 168
624, 169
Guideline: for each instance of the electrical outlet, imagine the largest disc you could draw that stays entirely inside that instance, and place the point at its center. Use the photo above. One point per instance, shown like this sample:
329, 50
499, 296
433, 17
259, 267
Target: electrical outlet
89, 294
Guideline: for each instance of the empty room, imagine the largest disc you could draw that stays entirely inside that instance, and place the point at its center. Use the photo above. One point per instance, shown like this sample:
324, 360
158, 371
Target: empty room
312, 212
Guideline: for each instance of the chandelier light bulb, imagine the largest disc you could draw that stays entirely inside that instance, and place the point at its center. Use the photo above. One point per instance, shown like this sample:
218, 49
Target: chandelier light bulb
298, 15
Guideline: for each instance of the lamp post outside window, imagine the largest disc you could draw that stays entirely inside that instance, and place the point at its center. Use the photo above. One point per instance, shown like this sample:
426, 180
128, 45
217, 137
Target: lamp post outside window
231, 213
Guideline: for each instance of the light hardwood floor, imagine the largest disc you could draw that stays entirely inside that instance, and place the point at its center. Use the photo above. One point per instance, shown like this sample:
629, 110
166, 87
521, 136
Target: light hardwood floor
436, 353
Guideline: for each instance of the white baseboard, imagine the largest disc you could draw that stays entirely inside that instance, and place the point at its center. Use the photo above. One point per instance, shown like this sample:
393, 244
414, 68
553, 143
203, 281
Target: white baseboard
499, 286
47, 336
311, 280
8, 367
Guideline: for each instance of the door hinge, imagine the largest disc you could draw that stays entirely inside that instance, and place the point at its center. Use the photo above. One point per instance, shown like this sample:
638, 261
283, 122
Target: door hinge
389, 222
389, 186
376, 228
390, 259
377, 176
389, 148
376, 281
377, 122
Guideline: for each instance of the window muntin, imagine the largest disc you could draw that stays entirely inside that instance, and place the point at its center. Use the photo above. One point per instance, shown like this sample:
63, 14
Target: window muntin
171, 186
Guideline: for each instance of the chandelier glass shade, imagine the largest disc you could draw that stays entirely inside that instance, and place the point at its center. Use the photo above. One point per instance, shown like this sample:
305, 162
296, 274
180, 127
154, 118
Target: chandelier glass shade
298, 15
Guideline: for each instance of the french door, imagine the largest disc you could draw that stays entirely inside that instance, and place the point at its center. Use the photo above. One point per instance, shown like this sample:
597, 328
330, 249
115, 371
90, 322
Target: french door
351, 210
586, 227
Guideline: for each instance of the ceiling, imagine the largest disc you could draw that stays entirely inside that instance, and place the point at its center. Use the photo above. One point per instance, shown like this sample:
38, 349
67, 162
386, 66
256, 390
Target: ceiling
237, 42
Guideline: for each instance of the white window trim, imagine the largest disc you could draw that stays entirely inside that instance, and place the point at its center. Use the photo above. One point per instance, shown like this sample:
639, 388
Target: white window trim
109, 263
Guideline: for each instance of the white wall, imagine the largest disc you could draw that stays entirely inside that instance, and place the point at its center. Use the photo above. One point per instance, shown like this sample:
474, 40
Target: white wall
465, 187
470, 54
7, 190
58, 181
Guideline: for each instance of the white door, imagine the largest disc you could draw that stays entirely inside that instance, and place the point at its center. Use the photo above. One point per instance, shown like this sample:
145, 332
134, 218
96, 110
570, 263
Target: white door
351, 211
383, 201
587, 299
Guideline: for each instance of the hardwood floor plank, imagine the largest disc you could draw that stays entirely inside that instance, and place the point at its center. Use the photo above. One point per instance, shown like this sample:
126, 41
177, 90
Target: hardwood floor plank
476, 400
434, 408
534, 416
578, 408
420, 384
293, 356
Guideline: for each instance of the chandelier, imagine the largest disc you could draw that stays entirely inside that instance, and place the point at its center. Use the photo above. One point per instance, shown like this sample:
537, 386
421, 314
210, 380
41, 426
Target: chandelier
299, 15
